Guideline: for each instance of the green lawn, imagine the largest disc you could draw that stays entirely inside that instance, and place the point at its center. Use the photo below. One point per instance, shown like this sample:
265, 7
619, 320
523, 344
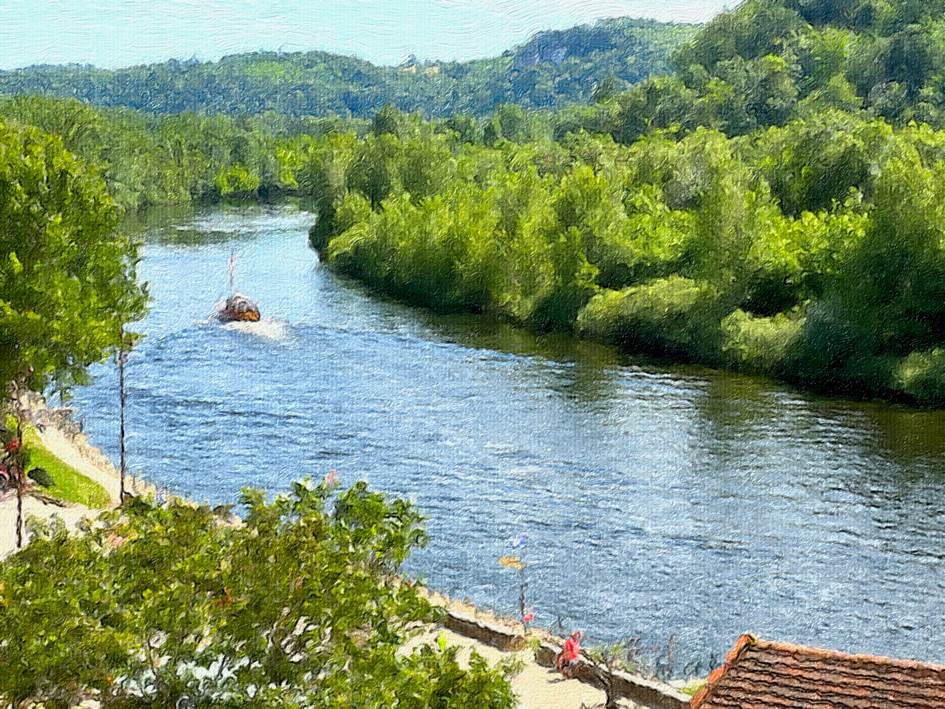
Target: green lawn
68, 483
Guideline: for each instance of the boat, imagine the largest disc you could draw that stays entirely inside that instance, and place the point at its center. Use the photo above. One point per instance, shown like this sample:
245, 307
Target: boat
237, 307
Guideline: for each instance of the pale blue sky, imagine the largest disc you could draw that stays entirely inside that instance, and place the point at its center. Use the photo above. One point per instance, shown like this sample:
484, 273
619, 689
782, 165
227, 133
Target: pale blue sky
113, 33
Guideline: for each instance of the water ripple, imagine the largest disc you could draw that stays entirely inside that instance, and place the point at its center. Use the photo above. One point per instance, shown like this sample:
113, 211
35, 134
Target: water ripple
658, 501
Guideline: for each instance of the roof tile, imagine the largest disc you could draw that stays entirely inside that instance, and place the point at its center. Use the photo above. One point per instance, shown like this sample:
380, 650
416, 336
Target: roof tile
761, 673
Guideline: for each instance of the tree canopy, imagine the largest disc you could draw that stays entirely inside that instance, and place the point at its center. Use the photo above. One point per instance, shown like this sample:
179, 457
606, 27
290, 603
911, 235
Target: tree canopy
298, 605
67, 276
771, 253
770, 61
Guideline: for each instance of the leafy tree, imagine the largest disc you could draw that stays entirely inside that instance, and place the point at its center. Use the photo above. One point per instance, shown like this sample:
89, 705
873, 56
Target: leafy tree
814, 163
387, 121
67, 277
297, 605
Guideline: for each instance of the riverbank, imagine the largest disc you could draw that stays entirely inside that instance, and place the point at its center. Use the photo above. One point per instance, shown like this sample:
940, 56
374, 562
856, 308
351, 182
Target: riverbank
61, 438
670, 322
537, 685
696, 260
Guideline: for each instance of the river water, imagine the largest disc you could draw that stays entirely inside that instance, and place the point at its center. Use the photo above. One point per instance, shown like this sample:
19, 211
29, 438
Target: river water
657, 501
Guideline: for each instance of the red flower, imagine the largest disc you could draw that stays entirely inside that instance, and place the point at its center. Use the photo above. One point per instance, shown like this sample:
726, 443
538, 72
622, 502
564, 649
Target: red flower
528, 617
13, 446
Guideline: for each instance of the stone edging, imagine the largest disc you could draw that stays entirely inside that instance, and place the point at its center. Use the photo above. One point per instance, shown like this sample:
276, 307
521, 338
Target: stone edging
504, 636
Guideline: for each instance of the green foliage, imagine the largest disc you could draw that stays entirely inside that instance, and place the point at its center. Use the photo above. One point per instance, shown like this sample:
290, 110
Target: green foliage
432, 677
896, 276
770, 60
552, 69
236, 180
921, 376
67, 278
759, 344
672, 316
774, 252
171, 160
298, 605
814, 163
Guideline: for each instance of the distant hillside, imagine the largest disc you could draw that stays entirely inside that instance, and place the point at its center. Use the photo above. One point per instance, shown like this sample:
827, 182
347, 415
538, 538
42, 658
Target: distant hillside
553, 69
781, 58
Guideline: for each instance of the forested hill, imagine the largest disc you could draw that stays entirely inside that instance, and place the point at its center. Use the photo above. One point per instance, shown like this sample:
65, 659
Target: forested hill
770, 61
553, 69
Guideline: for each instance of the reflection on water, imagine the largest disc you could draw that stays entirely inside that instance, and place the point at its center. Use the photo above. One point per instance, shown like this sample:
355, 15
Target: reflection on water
658, 500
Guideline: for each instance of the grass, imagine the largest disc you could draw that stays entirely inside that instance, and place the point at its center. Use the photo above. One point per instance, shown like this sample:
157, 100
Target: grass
693, 687
68, 484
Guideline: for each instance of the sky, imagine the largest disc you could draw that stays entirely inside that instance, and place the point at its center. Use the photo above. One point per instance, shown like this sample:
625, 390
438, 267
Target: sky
116, 33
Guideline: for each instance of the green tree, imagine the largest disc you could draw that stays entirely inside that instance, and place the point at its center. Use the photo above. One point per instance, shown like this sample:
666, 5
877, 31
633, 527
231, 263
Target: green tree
67, 276
300, 604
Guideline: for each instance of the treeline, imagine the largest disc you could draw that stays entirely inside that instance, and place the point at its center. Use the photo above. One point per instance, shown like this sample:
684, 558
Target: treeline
812, 251
159, 160
553, 69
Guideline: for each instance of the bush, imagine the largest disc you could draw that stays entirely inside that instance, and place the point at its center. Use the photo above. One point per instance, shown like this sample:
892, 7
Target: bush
921, 376
669, 316
299, 605
41, 477
760, 344
237, 181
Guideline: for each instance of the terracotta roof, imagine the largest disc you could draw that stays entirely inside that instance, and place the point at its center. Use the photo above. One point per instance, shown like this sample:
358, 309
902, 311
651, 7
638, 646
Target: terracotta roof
759, 673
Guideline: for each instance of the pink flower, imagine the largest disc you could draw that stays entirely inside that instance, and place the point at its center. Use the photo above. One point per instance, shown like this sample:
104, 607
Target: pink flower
528, 617
331, 478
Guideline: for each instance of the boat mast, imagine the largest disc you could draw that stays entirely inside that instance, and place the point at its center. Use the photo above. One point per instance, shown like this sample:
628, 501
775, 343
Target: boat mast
231, 267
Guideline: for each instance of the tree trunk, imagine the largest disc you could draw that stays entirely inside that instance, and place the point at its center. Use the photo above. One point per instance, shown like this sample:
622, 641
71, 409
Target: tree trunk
19, 516
19, 469
122, 358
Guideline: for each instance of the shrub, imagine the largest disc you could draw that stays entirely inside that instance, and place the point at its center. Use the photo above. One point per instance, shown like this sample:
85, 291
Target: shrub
237, 181
921, 376
300, 605
669, 316
759, 344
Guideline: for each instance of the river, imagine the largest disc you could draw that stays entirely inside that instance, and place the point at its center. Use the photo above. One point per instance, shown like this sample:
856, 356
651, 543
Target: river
657, 501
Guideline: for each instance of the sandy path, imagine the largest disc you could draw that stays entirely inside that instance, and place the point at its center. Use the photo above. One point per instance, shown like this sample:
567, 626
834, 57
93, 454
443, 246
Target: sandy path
535, 686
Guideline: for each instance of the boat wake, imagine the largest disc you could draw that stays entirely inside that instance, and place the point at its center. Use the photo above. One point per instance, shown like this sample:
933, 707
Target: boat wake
267, 328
